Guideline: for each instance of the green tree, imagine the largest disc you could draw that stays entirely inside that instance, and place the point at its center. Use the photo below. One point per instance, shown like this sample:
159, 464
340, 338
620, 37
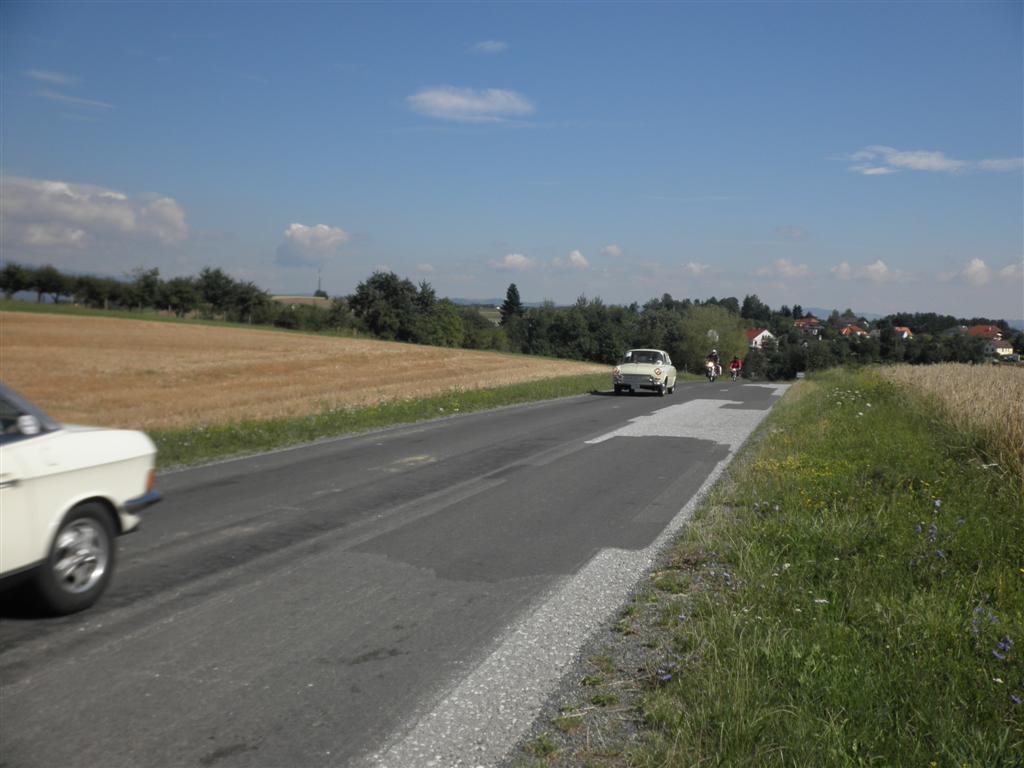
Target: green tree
47, 279
181, 295
145, 288
512, 306
217, 289
14, 278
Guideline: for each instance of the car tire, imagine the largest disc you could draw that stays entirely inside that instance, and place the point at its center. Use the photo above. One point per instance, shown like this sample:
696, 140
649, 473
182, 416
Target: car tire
662, 389
618, 390
672, 388
80, 563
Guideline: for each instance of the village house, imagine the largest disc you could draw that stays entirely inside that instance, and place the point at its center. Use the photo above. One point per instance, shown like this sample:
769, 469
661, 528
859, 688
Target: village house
809, 326
995, 344
756, 337
902, 332
853, 330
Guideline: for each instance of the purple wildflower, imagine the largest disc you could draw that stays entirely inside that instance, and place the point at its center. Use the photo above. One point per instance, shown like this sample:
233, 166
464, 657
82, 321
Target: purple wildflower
998, 655
938, 504
919, 529
1016, 699
933, 533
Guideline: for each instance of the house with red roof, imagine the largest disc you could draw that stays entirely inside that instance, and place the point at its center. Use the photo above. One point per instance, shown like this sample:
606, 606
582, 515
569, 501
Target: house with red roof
853, 330
995, 344
811, 326
756, 337
902, 332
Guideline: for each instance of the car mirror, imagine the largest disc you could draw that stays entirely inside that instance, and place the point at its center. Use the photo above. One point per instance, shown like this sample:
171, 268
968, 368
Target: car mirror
28, 425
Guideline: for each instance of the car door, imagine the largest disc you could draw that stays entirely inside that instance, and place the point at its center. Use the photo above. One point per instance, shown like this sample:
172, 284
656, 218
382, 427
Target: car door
20, 530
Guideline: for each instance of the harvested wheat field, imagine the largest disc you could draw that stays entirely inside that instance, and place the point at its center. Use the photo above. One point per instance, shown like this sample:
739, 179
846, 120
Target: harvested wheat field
134, 373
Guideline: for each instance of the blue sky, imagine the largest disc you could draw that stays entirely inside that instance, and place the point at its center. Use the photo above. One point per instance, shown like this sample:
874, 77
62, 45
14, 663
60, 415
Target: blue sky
830, 154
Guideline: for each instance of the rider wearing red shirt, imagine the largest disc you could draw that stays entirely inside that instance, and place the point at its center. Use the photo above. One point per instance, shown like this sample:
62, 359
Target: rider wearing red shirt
736, 366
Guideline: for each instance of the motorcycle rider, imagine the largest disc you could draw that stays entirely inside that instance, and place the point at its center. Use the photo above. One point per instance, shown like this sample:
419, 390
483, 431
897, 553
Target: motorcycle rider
713, 358
735, 367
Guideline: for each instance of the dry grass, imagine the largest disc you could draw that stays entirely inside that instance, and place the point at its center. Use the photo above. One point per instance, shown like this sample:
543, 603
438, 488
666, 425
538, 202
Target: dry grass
988, 399
141, 374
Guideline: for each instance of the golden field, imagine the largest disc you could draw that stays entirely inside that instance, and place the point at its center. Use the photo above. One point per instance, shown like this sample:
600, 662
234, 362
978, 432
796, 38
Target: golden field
139, 374
985, 398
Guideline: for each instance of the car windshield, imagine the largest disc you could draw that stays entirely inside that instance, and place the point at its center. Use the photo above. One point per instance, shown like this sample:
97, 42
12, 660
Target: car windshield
642, 356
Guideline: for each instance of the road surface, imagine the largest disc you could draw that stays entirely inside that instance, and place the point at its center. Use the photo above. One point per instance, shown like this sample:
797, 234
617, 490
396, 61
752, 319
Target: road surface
401, 598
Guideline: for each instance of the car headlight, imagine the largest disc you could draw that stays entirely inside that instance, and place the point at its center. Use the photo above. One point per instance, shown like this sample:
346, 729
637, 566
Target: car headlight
616, 372
657, 372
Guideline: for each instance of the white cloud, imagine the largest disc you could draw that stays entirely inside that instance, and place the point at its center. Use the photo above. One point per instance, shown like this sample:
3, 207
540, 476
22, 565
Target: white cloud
425, 269
54, 78
578, 260
575, 259
310, 246
469, 105
842, 270
696, 269
490, 46
75, 100
515, 261
877, 272
1003, 165
878, 160
36, 213
1012, 271
977, 272
612, 249
785, 268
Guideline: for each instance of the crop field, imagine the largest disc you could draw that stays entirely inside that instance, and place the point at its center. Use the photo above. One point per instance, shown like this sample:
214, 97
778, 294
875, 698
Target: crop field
985, 400
127, 373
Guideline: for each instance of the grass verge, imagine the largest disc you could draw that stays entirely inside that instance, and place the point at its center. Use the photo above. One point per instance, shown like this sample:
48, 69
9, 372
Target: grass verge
195, 445
852, 594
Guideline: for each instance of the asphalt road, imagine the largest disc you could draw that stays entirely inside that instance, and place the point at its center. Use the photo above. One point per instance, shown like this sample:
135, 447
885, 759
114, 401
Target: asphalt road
401, 598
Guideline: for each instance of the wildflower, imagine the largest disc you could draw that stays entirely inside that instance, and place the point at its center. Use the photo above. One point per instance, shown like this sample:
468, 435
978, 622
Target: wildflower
1016, 699
785, 566
998, 655
960, 521
821, 601
919, 529
933, 532
940, 554
938, 504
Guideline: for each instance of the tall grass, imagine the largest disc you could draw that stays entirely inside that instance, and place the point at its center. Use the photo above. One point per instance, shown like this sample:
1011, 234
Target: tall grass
983, 402
871, 609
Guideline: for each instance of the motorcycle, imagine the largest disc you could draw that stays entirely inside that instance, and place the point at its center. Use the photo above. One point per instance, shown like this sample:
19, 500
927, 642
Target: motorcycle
734, 373
712, 371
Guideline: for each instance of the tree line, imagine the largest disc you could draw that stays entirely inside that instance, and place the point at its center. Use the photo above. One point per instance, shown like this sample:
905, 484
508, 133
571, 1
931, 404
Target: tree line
390, 307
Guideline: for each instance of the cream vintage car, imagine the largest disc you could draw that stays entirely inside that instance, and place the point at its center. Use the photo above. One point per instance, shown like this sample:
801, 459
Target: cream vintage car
66, 492
649, 369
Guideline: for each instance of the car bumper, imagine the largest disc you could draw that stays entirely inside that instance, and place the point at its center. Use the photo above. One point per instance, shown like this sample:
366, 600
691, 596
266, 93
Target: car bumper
139, 503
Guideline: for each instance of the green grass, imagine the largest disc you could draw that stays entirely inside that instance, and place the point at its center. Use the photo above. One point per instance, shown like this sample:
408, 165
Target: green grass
150, 315
861, 622
194, 445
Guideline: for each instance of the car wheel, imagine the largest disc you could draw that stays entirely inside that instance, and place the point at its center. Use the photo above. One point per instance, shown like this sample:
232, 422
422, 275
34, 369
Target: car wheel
618, 390
662, 389
672, 388
80, 562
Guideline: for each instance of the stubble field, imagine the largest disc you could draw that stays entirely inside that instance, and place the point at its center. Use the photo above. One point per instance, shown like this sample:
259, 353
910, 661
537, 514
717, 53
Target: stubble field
139, 374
